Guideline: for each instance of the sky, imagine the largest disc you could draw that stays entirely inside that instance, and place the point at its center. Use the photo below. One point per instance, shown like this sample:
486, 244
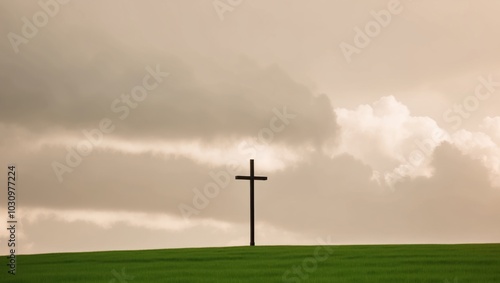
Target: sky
376, 122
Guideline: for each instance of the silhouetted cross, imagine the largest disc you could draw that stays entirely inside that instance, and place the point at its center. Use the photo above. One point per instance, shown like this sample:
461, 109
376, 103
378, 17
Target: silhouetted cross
252, 177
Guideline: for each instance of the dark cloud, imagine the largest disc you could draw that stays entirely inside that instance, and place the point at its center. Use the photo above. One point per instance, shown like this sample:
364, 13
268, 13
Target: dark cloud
73, 84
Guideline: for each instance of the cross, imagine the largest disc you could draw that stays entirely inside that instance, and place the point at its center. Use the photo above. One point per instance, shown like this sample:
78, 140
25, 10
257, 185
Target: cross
252, 177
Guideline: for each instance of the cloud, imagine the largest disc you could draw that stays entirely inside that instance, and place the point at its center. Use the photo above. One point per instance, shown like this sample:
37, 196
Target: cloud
481, 146
76, 83
396, 144
84, 73
108, 219
385, 134
253, 110
491, 126
336, 197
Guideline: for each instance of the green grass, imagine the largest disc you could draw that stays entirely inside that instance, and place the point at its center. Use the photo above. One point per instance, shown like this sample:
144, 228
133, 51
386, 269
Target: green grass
404, 263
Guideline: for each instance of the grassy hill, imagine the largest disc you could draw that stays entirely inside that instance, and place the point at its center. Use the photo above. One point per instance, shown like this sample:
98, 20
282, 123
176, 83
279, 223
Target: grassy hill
405, 263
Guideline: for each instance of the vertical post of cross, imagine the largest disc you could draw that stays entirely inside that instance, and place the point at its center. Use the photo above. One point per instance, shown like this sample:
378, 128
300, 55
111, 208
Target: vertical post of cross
252, 210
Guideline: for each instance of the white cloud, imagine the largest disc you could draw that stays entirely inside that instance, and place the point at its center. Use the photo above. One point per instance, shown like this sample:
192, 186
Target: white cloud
395, 144
491, 125
481, 146
384, 135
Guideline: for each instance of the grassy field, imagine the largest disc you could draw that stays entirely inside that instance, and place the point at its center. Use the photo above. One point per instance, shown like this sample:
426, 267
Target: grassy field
407, 263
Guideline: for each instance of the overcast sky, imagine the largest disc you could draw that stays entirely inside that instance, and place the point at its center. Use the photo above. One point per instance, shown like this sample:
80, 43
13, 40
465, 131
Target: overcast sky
375, 121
